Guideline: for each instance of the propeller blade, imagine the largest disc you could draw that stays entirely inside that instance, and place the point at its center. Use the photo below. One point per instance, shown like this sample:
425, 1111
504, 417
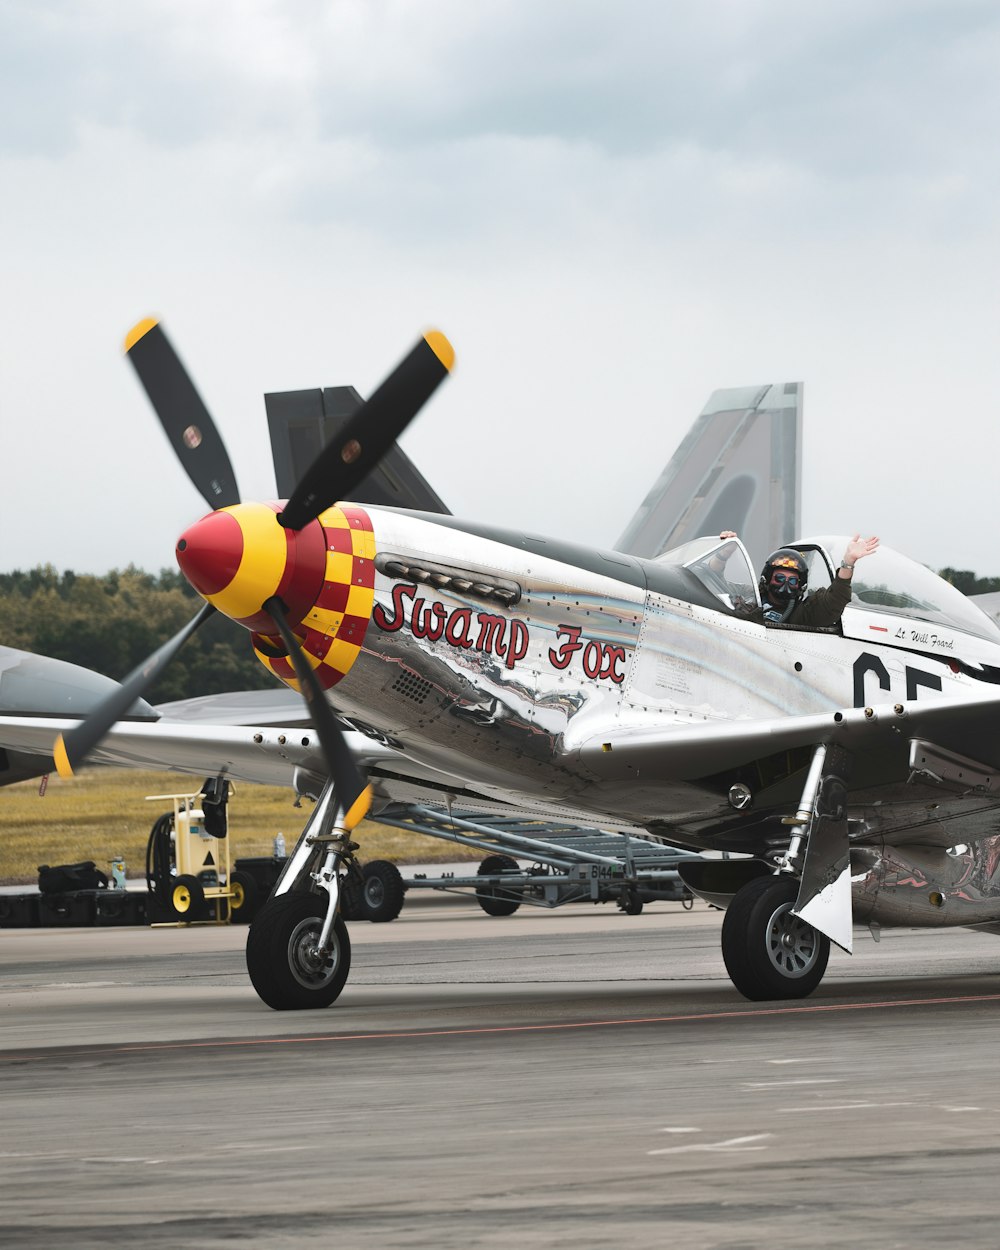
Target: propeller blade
354, 794
71, 751
183, 415
370, 433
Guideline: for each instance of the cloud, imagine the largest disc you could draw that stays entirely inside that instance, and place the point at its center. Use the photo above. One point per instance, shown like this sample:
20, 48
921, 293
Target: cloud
822, 85
612, 211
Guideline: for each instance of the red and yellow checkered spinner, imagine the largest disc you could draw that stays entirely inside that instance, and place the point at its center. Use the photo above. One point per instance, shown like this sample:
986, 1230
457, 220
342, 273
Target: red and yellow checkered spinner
239, 557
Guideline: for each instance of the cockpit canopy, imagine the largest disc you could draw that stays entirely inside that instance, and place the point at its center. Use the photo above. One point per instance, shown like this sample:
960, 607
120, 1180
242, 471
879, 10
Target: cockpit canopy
891, 583
886, 583
723, 567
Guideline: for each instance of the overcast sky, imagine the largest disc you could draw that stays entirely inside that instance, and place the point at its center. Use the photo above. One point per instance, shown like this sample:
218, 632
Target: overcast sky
611, 210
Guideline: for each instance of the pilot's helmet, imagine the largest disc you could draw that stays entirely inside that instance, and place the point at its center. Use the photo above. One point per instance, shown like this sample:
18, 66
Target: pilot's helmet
792, 575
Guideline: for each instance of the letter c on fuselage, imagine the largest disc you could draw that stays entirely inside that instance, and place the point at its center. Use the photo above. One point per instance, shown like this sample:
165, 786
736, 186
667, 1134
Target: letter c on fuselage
864, 664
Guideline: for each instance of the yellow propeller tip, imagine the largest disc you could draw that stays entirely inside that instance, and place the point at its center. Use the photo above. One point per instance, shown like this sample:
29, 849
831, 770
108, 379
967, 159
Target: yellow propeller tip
138, 330
358, 809
441, 348
63, 767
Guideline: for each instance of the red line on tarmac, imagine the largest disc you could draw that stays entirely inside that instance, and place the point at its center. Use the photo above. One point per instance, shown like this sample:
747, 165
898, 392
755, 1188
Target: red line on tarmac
480, 1030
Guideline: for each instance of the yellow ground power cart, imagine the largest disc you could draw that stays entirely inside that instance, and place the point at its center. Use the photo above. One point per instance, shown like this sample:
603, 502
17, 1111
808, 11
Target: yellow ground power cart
188, 869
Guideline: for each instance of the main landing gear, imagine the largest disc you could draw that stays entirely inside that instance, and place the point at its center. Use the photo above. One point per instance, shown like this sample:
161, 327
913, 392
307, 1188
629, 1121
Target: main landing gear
771, 952
298, 950
289, 965
768, 952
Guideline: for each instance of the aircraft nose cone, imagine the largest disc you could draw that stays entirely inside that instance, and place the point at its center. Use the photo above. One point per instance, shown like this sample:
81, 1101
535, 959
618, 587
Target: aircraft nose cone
209, 552
240, 556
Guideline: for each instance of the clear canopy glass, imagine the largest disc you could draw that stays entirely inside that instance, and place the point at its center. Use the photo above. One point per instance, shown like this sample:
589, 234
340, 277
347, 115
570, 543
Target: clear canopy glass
721, 565
886, 582
891, 582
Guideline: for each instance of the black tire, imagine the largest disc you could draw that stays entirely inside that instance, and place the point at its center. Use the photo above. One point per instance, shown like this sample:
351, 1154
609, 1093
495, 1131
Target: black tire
186, 898
245, 900
382, 892
630, 903
768, 952
498, 900
352, 884
277, 953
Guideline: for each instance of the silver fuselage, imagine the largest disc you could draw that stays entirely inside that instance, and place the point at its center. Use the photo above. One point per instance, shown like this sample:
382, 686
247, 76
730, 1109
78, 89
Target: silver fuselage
600, 645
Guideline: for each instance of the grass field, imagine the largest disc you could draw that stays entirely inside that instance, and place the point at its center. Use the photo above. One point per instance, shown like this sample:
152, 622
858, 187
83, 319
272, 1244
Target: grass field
104, 814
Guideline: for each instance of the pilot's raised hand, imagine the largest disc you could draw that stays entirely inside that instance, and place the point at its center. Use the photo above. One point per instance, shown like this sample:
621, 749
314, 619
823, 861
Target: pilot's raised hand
856, 550
718, 560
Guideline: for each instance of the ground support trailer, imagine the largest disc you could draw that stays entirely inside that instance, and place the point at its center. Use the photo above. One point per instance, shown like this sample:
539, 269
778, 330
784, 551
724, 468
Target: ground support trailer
566, 863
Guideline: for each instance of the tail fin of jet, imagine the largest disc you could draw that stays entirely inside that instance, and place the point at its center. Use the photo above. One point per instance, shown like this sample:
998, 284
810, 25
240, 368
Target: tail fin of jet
303, 422
737, 468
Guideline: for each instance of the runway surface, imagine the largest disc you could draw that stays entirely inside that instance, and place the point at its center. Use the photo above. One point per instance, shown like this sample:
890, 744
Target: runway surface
569, 1078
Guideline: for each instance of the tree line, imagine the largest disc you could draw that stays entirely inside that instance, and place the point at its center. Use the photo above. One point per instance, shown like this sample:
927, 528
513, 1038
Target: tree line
111, 622
968, 583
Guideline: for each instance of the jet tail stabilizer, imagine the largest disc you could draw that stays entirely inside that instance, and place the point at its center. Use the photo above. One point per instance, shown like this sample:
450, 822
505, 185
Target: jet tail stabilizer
737, 468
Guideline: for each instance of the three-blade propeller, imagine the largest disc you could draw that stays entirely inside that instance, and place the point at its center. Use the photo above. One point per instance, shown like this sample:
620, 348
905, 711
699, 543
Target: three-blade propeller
333, 475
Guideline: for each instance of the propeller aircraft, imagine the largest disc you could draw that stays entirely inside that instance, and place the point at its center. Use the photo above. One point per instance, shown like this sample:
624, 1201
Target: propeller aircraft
848, 774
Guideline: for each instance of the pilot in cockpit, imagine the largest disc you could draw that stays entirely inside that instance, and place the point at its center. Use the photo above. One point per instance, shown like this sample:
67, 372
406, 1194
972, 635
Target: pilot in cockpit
783, 585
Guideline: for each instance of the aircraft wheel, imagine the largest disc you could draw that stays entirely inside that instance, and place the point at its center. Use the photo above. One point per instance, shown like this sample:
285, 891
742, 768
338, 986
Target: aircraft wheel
186, 900
284, 971
768, 952
244, 901
382, 892
352, 884
490, 898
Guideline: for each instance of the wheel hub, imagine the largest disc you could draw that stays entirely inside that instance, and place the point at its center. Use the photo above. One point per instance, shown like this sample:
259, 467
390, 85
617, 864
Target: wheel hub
311, 966
792, 944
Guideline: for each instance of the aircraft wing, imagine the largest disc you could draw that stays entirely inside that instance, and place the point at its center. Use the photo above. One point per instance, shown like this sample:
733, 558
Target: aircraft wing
952, 743
181, 747
265, 755
37, 685
270, 755
279, 707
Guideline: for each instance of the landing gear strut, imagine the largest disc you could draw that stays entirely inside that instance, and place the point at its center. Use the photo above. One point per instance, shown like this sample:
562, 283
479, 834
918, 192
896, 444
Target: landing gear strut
769, 951
298, 950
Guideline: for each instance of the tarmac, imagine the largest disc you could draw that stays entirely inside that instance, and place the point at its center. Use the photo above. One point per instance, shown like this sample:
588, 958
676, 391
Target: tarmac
569, 1077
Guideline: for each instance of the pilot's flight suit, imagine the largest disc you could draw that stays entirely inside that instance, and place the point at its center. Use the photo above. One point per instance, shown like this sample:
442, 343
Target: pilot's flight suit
822, 607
